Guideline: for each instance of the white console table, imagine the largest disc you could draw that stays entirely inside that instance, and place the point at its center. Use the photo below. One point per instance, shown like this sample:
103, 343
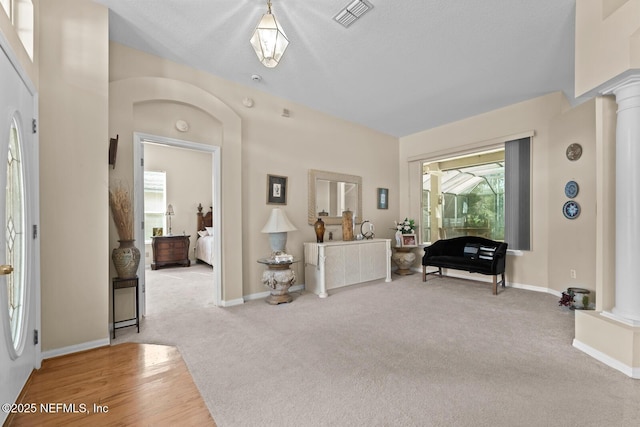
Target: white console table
335, 264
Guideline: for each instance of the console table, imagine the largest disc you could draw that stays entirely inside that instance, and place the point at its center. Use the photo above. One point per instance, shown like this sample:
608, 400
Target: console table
170, 250
335, 264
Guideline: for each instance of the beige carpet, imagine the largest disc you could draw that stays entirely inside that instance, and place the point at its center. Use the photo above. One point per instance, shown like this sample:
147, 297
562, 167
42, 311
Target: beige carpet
406, 353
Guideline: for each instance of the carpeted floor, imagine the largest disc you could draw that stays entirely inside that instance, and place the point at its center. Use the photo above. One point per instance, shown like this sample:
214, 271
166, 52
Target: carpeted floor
406, 353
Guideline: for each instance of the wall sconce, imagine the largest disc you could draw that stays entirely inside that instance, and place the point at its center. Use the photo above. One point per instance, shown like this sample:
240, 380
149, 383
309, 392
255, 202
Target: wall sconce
169, 214
277, 226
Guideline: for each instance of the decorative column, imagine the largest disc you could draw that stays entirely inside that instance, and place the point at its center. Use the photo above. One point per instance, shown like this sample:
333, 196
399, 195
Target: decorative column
627, 266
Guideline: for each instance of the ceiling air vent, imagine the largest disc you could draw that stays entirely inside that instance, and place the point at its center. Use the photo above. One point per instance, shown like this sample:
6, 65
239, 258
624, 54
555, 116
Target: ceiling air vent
352, 12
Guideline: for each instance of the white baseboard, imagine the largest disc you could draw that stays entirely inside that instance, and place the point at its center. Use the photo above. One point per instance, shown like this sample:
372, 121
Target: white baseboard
76, 348
487, 279
534, 288
233, 302
607, 360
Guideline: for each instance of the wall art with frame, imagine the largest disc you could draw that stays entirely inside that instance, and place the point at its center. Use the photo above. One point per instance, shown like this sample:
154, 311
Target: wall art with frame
276, 190
383, 198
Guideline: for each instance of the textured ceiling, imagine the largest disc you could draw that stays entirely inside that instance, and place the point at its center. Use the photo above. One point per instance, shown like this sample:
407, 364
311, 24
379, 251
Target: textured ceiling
405, 66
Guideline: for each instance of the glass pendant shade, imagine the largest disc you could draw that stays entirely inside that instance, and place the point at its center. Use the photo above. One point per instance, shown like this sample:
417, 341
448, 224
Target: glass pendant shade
269, 40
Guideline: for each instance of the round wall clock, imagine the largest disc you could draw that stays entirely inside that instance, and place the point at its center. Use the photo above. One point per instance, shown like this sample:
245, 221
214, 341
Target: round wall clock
574, 151
571, 189
571, 210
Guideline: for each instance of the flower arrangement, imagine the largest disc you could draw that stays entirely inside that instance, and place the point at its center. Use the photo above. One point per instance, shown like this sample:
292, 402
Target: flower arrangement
566, 299
122, 211
408, 226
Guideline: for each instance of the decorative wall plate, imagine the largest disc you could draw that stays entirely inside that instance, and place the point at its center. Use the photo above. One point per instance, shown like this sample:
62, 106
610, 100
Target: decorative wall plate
574, 151
571, 209
571, 189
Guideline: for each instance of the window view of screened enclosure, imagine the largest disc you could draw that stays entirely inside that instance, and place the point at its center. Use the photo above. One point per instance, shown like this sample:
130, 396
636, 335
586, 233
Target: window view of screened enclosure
464, 196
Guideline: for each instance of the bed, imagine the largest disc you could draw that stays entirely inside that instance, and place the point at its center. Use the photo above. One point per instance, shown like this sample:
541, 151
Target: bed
204, 242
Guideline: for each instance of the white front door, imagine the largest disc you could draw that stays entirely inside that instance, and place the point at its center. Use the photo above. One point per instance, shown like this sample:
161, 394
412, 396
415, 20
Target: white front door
19, 242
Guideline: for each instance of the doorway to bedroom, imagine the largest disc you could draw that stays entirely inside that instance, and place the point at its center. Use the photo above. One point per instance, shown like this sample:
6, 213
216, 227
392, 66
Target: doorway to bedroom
174, 180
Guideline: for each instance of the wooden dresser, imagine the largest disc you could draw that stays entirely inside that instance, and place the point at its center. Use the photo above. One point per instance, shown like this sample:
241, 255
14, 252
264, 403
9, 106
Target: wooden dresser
170, 251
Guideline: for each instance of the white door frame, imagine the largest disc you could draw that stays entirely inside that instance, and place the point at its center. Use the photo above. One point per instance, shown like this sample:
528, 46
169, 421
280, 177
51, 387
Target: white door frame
139, 139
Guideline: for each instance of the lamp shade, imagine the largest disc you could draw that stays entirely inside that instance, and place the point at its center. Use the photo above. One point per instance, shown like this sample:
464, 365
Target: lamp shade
278, 222
170, 210
269, 40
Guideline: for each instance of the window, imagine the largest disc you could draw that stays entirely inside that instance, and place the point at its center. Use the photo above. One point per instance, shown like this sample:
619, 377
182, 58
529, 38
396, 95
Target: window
20, 12
465, 196
15, 237
155, 202
481, 194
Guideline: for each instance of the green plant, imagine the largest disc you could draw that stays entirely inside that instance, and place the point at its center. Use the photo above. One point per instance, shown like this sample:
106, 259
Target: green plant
585, 301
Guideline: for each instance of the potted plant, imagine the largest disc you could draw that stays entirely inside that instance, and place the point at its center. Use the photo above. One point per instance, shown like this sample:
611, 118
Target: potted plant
126, 257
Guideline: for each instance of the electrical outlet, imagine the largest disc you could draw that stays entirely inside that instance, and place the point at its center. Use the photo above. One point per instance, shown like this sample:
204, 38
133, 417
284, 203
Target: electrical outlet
573, 273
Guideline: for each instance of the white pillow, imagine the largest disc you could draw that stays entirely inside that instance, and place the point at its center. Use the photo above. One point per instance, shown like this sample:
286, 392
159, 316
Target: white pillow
203, 233
210, 230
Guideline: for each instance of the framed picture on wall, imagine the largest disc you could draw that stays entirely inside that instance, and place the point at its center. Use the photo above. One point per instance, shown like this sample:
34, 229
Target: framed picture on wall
409, 241
383, 198
276, 190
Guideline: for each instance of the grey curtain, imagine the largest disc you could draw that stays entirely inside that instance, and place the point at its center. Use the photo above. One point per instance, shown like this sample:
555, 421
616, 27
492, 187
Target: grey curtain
517, 197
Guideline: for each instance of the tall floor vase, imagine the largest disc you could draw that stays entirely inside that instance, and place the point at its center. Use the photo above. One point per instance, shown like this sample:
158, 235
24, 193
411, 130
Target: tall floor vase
126, 259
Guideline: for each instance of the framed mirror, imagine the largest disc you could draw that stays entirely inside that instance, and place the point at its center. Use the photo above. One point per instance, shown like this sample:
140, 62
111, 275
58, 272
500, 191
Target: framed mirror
332, 193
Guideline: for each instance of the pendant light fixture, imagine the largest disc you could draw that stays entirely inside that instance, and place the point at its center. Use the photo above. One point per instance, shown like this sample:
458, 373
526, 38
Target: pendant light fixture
269, 40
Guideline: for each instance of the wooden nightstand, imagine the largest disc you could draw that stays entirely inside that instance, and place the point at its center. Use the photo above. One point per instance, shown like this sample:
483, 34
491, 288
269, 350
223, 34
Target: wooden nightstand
170, 251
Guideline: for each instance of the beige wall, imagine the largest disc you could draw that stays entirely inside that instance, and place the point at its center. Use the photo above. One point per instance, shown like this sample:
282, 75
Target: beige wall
558, 244
607, 41
127, 95
572, 242
271, 144
73, 56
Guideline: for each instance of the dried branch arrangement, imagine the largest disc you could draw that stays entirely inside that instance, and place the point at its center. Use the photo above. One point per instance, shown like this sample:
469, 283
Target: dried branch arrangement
122, 211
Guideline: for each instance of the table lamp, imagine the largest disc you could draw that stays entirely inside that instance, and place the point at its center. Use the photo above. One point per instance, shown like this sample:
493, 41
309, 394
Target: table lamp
277, 226
169, 214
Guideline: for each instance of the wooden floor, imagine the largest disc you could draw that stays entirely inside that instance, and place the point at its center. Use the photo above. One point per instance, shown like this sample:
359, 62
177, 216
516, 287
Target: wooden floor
127, 385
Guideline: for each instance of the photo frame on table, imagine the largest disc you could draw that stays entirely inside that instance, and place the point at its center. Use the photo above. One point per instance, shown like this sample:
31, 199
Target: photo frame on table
276, 190
409, 241
383, 198
157, 231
